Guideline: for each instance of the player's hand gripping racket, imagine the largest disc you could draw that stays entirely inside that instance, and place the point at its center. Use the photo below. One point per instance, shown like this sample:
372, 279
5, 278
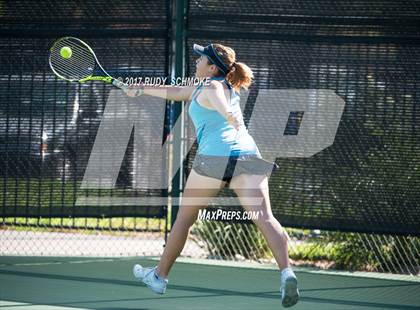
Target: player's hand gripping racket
73, 60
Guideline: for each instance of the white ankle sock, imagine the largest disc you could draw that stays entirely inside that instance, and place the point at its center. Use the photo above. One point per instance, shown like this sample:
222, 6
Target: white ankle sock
287, 272
159, 277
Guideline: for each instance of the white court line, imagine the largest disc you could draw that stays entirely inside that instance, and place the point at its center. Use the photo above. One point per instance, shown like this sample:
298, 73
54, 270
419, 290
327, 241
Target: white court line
84, 261
252, 265
13, 305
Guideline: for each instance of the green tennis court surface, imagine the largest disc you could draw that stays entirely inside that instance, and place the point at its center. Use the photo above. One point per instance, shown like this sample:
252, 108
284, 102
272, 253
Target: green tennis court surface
107, 283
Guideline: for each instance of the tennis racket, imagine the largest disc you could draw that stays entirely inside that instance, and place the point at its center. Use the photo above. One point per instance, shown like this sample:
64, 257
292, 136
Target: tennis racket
73, 60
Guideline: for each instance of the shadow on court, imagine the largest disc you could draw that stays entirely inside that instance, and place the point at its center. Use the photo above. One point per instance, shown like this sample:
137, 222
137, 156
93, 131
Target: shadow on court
60, 283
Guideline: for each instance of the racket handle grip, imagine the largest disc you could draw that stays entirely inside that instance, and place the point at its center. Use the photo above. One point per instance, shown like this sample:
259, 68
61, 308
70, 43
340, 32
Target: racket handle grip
119, 84
124, 87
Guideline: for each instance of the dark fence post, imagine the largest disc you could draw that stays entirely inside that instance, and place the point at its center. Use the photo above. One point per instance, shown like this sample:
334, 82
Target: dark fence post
180, 9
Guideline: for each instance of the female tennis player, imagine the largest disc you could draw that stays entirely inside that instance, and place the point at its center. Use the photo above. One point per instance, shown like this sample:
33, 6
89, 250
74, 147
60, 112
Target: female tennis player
227, 153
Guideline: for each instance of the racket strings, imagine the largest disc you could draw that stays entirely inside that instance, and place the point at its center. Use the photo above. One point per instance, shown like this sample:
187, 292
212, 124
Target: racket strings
74, 69
79, 55
79, 65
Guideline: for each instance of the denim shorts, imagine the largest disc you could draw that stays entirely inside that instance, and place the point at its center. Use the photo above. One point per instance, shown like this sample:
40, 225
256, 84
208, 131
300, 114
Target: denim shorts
226, 167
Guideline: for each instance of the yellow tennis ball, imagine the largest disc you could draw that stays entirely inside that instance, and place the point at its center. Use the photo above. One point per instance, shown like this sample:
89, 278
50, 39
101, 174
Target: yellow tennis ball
66, 52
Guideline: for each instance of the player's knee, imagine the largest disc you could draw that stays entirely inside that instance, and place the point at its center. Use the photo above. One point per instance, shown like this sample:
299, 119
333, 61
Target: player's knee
266, 216
187, 215
267, 222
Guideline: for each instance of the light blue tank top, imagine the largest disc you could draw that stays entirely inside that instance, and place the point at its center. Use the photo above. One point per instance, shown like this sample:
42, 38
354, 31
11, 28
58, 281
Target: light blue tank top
215, 136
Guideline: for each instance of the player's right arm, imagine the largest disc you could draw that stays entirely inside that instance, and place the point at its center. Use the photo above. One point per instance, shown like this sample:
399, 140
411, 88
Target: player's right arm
169, 92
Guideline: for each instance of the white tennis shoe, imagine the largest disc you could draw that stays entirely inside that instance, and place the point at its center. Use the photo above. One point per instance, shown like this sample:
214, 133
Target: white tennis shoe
149, 277
288, 288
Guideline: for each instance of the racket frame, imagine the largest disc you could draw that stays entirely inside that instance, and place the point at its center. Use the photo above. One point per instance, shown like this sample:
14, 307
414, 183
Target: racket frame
106, 79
